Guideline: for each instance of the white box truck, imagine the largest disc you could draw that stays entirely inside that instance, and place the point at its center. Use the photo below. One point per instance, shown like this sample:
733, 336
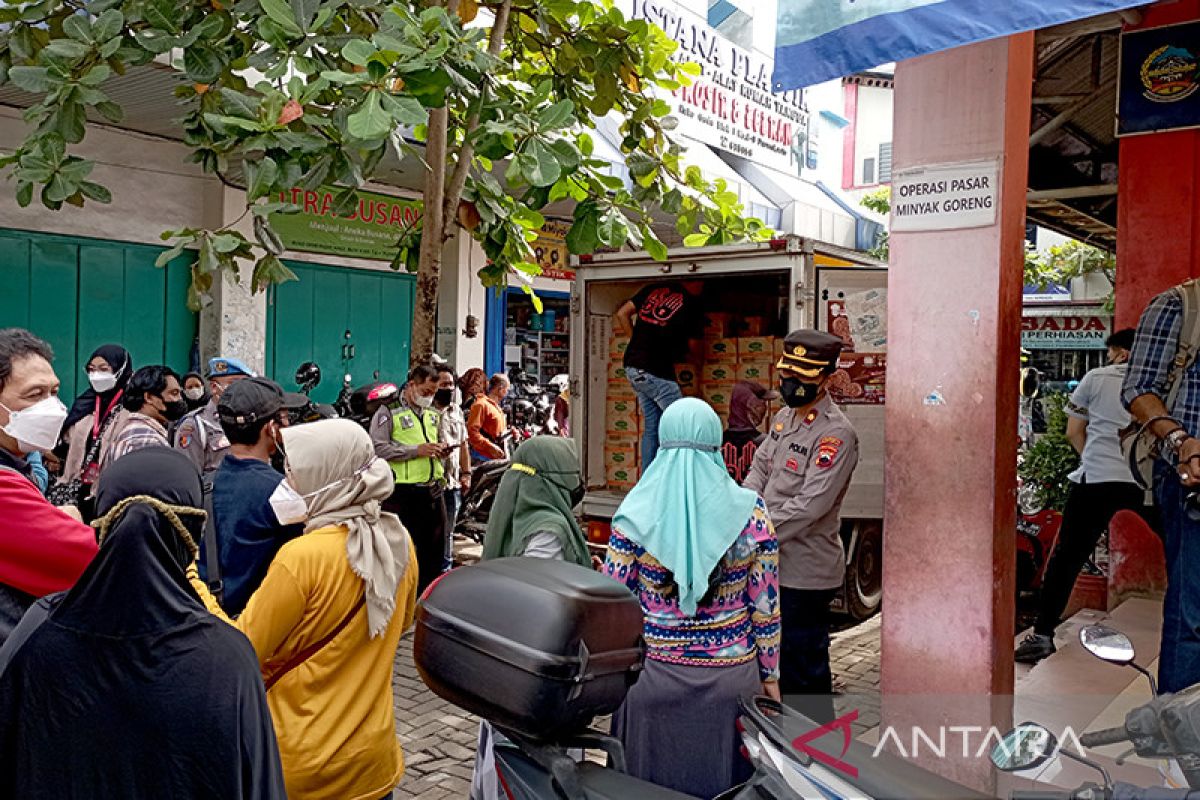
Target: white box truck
784, 284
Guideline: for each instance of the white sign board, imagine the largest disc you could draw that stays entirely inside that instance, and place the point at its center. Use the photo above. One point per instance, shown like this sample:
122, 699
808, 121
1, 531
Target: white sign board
729, 106
945, 197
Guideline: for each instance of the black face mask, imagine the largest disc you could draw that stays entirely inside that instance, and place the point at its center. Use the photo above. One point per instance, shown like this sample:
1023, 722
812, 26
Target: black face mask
443, 397
175, 409
797, 393
577, 493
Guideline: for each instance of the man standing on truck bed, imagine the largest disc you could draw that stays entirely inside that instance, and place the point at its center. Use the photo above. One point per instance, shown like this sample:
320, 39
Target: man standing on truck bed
802, 471
669, 323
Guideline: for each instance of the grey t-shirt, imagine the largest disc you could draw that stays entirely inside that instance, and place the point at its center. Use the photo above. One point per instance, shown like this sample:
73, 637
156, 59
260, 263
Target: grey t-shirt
1097, 401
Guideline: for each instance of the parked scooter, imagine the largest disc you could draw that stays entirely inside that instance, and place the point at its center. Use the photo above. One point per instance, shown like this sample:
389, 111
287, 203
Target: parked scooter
1167, 727
530, 408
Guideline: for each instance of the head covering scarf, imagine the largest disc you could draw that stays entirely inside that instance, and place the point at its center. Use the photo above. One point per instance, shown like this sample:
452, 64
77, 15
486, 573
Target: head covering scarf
535, 497
131, 658
332, 463
746, 406
203, 401
122, 366
686, 511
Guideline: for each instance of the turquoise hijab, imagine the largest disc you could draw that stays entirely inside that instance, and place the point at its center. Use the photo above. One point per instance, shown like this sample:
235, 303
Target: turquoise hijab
686, 511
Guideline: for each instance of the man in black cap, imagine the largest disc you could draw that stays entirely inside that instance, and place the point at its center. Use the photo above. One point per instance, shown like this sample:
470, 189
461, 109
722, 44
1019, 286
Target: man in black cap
254, 509
802, 471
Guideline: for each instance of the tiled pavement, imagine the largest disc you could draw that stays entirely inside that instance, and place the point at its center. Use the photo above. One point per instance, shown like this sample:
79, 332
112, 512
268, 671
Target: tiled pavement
439, 739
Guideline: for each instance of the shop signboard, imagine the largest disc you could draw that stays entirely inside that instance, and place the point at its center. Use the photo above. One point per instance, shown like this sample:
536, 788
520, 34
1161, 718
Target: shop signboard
730, 105
945, 197
370, 231
1063, 333
551, 253
1158, 86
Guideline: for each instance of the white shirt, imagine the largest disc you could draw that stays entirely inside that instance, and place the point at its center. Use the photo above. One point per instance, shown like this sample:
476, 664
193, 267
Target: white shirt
1097, 401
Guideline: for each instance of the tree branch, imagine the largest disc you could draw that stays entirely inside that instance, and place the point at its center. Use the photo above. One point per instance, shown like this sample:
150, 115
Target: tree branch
466, 153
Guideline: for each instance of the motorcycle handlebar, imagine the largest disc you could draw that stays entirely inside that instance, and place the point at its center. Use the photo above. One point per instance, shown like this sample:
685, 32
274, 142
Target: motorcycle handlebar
1043, 795
1101, 738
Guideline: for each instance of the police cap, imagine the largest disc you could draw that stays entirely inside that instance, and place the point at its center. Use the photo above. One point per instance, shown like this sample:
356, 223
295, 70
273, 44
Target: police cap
810, 353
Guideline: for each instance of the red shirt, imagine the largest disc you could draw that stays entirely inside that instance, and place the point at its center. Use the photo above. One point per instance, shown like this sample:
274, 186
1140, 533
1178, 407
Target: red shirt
42, 550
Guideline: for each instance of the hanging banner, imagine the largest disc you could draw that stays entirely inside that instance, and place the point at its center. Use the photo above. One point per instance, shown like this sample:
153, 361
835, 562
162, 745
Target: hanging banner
370, 231
1159, 79
945, 197
551, 253
730, 105
817, 40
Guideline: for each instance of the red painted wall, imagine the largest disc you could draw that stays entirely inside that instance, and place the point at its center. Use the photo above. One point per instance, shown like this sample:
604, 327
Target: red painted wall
1158, 217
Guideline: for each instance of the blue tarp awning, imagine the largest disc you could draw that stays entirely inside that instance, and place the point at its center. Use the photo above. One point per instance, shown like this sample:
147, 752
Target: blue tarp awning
817, 40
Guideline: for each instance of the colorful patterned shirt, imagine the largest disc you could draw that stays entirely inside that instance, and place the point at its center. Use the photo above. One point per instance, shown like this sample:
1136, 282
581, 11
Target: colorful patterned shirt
741, 622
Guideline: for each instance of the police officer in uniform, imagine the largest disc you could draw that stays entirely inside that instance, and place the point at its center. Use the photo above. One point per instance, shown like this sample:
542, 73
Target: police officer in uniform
802, 471
199, 434
408, 436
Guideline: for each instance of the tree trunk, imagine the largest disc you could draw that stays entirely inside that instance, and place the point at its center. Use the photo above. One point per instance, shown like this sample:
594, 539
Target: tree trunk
433, 237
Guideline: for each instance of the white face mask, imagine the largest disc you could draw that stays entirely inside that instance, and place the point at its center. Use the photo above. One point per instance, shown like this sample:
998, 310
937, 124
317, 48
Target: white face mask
102, 381
194, 394
289, 507
422, 401
36, 427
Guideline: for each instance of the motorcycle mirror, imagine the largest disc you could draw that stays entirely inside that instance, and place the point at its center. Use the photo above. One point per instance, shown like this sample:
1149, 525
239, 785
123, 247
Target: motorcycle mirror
1031, 382
1025, 747
1107, 644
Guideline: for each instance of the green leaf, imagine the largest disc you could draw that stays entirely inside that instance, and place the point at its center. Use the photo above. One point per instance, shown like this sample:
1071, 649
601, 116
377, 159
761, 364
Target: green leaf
108, 25
207, 260
304, 11
167, 256
695, 240
36, 80
24, 194
560, 115
528, 218
358, 52
58, 189
94, 191
428, 86
202, 64
110, 111
652, 245
239, 104
260, 177
405, 110
270, 271
78, 28
539, 163
163, 15
66, 49
280, 12
370, 122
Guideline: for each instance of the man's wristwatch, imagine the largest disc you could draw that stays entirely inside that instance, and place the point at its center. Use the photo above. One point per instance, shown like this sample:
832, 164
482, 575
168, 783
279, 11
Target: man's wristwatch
1174, 440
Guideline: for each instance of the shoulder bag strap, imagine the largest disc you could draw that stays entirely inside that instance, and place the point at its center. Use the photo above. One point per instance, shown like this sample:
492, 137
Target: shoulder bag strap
316, 647
1189, 340
212, 550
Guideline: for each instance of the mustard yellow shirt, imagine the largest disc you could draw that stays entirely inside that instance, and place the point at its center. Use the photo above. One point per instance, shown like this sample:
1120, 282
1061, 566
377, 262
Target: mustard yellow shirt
334, 714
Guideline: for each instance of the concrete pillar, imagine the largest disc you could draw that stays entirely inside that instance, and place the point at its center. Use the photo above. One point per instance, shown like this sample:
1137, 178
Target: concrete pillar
233, 321
460, 294
1158, 212
954, 316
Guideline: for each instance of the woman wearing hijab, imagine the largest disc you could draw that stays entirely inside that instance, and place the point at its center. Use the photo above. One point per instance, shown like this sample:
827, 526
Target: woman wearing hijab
195, 390
531, 516
328, 617
700, 553
125, 686
743, 434
88, 428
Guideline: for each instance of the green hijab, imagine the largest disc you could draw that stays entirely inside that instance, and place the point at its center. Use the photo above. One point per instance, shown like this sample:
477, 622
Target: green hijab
686, 511
535, 496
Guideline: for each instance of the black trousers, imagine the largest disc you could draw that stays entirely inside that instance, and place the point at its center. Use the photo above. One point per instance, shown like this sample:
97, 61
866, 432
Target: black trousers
1089, 509
423, 513
805, 679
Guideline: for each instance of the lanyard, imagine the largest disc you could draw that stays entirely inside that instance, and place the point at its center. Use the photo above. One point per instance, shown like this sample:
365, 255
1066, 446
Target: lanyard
97, 419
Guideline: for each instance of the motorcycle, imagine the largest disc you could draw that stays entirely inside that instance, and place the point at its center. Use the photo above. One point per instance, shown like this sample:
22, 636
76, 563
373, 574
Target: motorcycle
1037, 534
530, 408
364, 401
1167, 727
477, 502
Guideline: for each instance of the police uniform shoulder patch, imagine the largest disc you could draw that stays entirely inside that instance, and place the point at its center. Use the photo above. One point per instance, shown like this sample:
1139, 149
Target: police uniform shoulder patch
827, 451
185, 438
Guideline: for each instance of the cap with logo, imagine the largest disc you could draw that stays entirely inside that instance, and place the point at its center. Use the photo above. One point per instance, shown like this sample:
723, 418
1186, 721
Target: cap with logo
221, 367
810, 353
254, 399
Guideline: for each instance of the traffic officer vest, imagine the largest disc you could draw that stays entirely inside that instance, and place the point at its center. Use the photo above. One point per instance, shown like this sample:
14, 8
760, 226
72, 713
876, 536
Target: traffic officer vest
408, 429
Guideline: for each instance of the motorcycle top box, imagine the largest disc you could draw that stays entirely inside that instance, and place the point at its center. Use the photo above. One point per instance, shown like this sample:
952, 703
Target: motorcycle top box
535, 646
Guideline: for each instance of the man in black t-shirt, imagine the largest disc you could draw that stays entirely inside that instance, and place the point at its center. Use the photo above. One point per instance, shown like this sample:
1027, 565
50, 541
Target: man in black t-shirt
663, 322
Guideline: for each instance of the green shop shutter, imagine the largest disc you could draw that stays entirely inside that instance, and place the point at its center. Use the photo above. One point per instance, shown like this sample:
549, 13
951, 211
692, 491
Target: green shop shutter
80, 293
308, 320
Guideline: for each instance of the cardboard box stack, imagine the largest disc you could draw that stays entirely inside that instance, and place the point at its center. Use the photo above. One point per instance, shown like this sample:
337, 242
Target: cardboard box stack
623, 421
728, 359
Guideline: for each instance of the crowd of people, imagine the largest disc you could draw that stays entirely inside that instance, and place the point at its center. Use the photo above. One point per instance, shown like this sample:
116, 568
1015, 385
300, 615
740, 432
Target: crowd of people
235, 600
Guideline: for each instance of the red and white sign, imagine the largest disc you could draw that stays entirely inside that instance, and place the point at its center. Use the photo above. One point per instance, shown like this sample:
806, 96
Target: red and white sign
1063, 333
